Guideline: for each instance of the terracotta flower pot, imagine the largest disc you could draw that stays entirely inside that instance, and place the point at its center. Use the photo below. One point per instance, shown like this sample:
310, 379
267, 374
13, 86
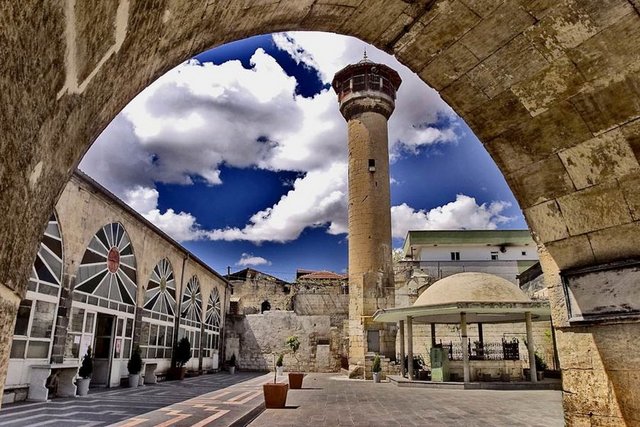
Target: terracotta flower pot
275, 395
295, 380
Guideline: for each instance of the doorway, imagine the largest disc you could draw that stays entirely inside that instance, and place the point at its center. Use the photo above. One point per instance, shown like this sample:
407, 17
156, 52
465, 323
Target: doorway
103, 345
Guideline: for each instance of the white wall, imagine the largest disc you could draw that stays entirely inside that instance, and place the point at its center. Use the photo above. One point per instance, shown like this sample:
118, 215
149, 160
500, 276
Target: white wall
477, 253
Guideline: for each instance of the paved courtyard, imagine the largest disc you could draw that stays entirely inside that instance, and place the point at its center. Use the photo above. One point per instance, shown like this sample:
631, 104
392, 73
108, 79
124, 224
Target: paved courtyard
325, 400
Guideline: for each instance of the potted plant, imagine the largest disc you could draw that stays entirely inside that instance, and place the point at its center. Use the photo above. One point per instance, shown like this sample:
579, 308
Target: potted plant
134, 366
376, 368
232, 364
541, 366
279, 367
275, 394
85, 371
295, 378
182, 354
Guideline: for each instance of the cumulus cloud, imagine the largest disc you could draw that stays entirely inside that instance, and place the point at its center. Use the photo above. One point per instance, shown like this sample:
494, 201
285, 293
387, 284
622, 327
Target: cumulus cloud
462, 214
317, 199
250, 259
200, 116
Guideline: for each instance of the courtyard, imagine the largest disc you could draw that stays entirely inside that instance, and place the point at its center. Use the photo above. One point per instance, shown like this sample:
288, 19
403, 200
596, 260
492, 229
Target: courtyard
325, 400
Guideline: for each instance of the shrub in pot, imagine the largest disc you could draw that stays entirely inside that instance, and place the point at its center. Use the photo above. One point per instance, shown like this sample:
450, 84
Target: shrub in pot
134, 366
376, 369
182, 354
295, 378
85, 371
279, 365
275, 394
541, 366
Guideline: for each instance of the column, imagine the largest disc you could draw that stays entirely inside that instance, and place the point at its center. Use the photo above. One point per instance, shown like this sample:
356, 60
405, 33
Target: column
433, 335
410, 347
401, 327
531, 348
465, 348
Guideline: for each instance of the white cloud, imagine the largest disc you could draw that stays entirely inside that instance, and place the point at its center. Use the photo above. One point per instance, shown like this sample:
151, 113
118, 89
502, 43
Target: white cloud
199, 116
317, 199
463, 213
250, 259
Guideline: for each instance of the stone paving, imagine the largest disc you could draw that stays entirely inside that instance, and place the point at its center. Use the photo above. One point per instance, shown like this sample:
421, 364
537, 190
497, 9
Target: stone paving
327, 400
220, 397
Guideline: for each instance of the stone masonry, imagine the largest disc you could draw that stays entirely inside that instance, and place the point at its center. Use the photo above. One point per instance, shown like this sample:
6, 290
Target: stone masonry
551, 88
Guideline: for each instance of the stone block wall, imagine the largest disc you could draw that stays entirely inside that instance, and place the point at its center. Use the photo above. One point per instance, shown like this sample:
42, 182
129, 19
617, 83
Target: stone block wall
256, 337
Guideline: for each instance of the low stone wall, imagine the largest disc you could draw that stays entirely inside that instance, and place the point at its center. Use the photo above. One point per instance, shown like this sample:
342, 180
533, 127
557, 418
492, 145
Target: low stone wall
506, 370
256, 337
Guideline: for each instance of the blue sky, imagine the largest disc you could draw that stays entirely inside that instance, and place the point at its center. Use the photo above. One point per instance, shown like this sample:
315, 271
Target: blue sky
240, 154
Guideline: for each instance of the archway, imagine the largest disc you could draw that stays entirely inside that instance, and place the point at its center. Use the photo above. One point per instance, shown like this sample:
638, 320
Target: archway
550, 88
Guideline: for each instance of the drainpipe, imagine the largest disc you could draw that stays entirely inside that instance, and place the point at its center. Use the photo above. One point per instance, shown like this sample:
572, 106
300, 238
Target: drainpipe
176, 327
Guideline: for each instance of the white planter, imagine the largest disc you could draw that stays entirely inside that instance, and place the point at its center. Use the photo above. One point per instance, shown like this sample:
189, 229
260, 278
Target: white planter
280, 370
232, 370
134, 379
83, 386
376, 377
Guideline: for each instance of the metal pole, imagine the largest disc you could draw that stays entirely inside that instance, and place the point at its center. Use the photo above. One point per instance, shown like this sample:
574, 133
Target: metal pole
410, 347
465, 348
531, 348
402, 347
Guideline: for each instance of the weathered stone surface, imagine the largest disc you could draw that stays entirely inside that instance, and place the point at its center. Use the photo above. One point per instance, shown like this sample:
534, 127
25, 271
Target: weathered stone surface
508, 20
572, 252
547, 219
534, 140
518, 55
599, 160
449, 66
616, 243
464, 95
492, 118
555, 82
95, 33
535, 186
629, 186
594, 208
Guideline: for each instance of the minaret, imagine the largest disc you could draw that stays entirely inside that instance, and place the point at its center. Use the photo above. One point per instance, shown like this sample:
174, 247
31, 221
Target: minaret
366, 92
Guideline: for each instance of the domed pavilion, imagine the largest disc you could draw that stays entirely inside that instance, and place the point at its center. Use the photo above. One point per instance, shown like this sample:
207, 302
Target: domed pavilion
465, 298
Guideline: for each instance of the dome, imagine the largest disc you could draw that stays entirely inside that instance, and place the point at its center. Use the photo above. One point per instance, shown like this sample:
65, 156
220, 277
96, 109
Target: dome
471, 287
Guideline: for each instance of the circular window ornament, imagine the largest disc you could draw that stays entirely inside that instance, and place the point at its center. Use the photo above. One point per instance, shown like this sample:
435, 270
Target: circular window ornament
113, 260
163, 284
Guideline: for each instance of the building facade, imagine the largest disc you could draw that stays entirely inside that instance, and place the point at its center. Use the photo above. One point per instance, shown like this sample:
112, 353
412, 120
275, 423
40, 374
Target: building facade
106, 278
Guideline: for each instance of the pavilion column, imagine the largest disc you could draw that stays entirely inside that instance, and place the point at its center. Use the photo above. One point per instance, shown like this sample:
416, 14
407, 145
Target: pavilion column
410, 347
401, 327
531, 348
433, 335
465, 348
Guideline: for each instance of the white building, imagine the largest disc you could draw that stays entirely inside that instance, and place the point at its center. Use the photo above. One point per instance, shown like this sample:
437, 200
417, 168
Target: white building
441, 253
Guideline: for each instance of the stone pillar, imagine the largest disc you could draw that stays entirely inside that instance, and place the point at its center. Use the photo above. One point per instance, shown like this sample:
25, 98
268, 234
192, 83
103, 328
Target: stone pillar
465, 348
409, 348
63, 317
366, 92
9, 303
401, 327
531, 348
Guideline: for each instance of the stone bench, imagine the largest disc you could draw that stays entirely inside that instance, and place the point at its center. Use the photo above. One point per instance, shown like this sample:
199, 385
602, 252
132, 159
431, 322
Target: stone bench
66, 387
149, 369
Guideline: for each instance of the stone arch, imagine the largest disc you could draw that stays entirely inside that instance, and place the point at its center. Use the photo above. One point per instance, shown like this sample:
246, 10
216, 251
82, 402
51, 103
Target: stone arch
550, 88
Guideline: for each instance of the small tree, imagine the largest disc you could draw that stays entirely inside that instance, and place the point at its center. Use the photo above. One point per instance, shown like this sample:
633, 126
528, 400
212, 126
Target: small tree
232, 360
294, 344
376, 364
541, 365
86, 369
280, 360
182, 352
134, 366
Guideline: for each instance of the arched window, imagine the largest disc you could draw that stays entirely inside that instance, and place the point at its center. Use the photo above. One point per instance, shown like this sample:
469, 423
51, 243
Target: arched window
213, 320
191, 315
156, 338
35, 320
107, 272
